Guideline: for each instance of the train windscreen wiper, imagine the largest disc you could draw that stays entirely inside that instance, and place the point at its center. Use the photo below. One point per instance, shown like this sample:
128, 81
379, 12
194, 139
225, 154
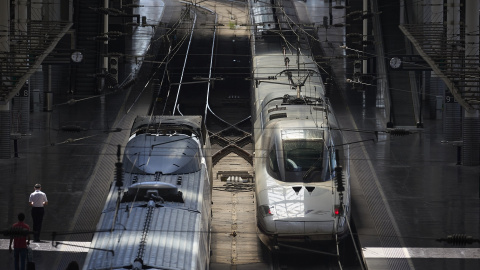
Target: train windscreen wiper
314, 166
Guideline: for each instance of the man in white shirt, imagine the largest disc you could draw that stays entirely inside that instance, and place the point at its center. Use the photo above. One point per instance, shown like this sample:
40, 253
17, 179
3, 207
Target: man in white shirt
37, 200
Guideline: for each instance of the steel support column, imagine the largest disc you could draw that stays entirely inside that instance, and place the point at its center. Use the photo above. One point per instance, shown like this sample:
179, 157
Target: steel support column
105, 50
4, 25
436, 87
21, 111
365, 36
471, 123
470, 146
452, 121
452, 114
48, 94
5, 130
4, 36
5, 119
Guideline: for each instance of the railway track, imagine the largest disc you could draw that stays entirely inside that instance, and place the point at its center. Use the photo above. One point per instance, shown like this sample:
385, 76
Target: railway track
205, 75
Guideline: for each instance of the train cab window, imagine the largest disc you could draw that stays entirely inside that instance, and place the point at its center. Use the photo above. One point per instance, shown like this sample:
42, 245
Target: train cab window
173, 153
303, 157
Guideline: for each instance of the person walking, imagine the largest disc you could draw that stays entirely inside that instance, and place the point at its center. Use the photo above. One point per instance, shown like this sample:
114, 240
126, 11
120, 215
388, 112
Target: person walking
21, 239
37, 200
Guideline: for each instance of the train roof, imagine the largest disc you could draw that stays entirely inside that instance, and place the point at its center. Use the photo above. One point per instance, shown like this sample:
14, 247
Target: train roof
172, 227
194, 121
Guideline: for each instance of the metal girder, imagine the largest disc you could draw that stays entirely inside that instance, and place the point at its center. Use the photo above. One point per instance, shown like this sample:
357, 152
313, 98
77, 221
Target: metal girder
45, 37
438, 57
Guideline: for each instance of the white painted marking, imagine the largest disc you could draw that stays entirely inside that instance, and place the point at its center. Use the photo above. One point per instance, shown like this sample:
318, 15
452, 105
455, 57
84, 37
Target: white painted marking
422, 253
63, 246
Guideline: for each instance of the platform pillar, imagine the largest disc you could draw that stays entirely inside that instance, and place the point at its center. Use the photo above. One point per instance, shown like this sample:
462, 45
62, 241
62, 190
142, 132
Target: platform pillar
435, 87
452, 121
21, 111
471, 146
4, 25
471, 121
5, 130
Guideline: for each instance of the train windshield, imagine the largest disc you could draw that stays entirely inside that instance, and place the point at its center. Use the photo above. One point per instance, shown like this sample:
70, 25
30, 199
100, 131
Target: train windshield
166, 154
303, 155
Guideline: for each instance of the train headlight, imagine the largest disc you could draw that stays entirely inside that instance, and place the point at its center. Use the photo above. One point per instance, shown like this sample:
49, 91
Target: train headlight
265, 210
338, 210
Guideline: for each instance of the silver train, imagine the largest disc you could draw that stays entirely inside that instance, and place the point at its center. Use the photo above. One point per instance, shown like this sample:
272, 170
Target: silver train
161, 218
263, 15
301, 161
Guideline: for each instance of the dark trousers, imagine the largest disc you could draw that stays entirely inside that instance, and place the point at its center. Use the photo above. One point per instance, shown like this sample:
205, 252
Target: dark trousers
37, 216
20, 255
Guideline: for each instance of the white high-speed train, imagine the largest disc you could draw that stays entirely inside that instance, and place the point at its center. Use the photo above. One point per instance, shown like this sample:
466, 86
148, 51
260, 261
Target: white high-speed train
263, 15
302, 183
161, 218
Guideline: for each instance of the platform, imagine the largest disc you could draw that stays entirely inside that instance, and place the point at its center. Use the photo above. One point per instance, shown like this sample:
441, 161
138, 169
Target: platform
76, 167
407, 191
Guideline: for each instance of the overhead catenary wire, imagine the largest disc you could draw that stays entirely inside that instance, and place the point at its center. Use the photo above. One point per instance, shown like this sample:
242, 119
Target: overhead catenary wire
185, 62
